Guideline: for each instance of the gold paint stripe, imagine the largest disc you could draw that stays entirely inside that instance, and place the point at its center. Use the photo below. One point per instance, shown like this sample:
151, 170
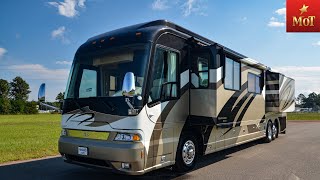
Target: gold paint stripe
88, 134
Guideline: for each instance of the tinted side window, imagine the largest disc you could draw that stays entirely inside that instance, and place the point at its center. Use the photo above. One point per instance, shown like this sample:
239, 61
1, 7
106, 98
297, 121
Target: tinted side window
232, 75
88, 86
254, 83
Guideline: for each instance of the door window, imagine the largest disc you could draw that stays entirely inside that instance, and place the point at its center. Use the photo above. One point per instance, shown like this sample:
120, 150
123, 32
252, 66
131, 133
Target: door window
164, 77
203, 70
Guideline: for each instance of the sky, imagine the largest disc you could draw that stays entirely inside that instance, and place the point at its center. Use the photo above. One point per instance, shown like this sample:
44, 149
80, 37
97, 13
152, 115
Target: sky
38, 38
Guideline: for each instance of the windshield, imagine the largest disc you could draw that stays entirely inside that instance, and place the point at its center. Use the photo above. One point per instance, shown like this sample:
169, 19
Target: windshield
102, 75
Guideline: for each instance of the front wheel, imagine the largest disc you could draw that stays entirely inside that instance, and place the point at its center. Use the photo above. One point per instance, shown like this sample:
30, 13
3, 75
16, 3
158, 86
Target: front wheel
186, 155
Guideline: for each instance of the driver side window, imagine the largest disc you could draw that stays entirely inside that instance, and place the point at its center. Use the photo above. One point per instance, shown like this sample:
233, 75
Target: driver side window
164, 76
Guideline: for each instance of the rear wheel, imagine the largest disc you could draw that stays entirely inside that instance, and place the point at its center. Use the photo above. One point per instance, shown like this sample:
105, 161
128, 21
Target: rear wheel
269, 133
187, 153
275, 131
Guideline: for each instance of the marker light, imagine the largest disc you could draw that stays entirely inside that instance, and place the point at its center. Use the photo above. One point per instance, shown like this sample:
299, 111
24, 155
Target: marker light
127, 137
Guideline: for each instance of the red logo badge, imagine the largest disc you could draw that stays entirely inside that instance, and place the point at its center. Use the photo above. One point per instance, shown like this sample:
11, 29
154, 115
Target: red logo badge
303, 15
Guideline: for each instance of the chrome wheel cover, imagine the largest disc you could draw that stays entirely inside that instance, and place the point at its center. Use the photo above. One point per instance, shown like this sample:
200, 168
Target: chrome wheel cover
274, 130
269, 131
188, 152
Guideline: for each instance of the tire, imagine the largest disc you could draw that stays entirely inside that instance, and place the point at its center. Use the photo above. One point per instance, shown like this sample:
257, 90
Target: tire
269, 133
187, 153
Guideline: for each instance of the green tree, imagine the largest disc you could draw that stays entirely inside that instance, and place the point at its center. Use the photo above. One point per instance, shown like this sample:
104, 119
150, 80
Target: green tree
17, 106
300, 99
4, 97
19, 89
312, 101
31, 108
60, 97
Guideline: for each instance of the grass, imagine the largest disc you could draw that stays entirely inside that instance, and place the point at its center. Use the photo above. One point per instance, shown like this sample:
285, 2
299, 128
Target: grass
25, 137
303, 116
28, 136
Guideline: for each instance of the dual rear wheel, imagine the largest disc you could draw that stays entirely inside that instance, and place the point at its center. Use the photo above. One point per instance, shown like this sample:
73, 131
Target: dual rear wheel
272, 131
187, 152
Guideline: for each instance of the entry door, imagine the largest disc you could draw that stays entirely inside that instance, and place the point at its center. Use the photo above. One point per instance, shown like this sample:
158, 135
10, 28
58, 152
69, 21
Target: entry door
163, 93
202, 96
203, 100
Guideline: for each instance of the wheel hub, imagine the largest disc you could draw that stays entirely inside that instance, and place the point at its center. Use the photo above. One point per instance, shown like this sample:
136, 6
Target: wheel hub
188, 152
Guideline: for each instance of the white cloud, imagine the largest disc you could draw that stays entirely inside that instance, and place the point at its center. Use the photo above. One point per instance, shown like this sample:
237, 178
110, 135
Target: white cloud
274, 22
64, 62
316, 44
60, 33
81, 3
281, 11
2, 52
36, 74
38, 71
189, 7
306, 77
160, 5
69, 8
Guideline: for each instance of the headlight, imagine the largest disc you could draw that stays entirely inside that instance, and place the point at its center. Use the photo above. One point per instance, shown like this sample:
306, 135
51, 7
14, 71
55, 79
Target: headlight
63, 132
127, 137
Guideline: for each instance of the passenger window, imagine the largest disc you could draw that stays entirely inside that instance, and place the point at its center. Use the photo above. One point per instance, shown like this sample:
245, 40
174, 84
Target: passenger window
254, 83
232, 74
164, 77
88, 86
203, 70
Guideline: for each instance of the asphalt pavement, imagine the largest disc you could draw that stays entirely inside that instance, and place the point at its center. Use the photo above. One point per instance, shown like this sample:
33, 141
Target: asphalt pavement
293, 156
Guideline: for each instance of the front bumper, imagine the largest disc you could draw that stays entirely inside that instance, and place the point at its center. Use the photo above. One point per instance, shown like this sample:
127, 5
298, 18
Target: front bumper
104, 154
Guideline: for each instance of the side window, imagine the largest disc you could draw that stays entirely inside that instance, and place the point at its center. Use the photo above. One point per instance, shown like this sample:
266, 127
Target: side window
112, 85
164, 76
254, 83
203, 70
232, 74
88, 86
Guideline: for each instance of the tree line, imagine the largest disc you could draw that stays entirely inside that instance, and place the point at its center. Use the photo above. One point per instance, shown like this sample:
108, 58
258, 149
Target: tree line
14, 97
311, 101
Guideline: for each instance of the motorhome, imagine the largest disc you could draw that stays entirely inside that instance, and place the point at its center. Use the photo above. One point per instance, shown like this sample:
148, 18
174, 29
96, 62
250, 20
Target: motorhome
155, 94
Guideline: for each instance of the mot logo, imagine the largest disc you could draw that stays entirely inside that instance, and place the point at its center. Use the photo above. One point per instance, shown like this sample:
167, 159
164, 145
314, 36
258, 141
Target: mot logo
303, 21
303, 16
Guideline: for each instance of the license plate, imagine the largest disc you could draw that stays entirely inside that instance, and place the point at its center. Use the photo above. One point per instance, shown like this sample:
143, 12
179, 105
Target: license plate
83, 151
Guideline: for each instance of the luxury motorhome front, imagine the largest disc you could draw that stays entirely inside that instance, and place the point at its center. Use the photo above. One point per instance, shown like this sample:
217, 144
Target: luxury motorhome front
155, 94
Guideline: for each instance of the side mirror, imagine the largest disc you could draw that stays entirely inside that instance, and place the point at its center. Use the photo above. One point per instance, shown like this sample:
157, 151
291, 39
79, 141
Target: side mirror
128, 86
42, 93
